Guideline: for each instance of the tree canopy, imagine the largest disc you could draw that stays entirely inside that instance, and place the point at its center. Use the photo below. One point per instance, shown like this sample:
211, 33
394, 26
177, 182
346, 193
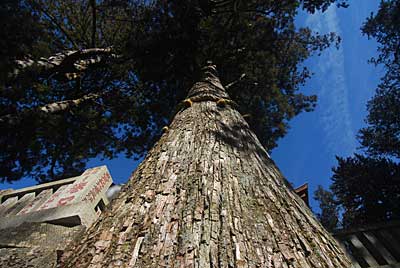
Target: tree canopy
382, 134
329, 212
82, 79
368, 189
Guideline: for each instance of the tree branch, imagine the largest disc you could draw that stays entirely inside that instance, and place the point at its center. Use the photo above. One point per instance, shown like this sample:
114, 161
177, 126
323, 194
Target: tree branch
52, 108
60, 106
68, 62
235, 82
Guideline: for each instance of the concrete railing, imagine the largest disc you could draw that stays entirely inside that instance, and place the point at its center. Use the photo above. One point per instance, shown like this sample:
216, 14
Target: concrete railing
69, 202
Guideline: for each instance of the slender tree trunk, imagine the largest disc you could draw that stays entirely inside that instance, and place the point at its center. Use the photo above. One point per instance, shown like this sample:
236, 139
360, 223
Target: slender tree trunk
207, 195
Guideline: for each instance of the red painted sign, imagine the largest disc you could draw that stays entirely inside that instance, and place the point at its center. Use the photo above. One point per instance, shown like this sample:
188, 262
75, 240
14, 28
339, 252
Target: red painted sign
65, 200
99, 186
83, 186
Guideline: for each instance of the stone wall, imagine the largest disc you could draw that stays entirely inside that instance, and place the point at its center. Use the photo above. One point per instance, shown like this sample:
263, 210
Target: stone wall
35, 244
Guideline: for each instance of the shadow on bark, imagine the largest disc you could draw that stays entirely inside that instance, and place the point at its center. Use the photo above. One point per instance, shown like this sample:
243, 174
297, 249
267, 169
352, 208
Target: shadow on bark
237, 135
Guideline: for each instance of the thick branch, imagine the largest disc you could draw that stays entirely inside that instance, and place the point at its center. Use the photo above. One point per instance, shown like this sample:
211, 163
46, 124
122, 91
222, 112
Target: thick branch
68, 62
51, 108
60, 106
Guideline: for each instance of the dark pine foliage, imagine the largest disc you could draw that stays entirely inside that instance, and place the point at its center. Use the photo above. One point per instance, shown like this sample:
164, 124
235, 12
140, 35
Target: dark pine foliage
157, 49
382, 134
368, 189
329, 211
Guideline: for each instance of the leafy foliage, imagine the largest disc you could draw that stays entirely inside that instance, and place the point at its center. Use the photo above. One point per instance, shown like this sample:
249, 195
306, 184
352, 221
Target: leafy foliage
329, 211
382, 135
160, 47
365, 190
16, 21
368, 189
384, 27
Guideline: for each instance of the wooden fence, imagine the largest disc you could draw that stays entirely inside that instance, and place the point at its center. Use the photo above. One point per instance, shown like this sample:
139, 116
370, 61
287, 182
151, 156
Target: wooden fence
375, 246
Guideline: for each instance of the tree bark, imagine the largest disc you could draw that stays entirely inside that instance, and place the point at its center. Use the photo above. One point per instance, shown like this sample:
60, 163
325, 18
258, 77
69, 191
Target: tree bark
207, 195
68, 62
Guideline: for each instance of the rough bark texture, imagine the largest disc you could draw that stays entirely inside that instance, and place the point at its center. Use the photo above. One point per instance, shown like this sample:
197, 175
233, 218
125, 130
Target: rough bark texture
67, 62
207, 195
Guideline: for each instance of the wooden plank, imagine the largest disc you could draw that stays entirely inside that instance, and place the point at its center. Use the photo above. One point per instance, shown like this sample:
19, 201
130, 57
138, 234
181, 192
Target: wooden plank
370, 227
396, 232
364, 252
380, 247
393, 243
393, 265
354, 262
371, 249
356, 254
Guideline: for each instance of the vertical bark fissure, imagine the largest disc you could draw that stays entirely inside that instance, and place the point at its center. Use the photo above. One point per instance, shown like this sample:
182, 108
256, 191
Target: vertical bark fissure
207, 195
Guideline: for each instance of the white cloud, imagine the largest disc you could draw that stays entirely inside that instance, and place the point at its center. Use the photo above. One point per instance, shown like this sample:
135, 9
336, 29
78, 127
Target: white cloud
333, 105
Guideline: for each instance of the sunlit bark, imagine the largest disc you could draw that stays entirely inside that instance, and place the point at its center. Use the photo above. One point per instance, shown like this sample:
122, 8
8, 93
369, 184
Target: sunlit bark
67, 63
207, 195
50, 108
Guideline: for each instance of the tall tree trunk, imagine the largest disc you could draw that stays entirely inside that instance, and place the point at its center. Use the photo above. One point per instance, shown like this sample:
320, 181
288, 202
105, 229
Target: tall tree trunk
207, 195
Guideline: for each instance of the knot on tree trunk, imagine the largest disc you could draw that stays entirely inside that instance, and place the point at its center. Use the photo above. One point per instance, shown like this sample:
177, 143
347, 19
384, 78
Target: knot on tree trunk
209, 86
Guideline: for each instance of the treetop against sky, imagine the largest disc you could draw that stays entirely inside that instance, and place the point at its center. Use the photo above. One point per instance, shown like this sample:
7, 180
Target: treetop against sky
342, 82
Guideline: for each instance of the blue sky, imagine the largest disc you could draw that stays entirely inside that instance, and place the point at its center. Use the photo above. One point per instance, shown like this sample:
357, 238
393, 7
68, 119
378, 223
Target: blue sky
343, 82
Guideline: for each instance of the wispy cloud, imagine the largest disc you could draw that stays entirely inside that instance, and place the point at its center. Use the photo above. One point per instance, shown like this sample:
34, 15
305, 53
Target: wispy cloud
333, 104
